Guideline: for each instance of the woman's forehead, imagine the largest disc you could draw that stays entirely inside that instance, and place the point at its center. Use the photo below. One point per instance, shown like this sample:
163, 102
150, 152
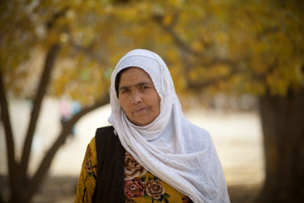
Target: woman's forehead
135, 76
147, 64
150, 65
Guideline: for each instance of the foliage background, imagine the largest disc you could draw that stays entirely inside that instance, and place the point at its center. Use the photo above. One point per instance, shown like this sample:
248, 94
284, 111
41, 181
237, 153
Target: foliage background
68, 49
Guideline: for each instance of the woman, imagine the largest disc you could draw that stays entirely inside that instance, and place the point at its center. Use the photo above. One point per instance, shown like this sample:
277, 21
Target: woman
152, 152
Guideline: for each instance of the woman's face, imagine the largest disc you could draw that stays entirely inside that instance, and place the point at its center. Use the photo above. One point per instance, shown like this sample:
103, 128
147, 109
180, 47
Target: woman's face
138, 96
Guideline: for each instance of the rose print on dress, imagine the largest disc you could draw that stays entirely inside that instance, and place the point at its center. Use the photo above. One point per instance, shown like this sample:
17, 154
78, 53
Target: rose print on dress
139, 185
132, 167
155, 189
134, 188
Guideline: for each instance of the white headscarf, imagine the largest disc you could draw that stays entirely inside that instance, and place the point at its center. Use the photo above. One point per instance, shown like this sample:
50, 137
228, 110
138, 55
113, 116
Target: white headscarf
171, 148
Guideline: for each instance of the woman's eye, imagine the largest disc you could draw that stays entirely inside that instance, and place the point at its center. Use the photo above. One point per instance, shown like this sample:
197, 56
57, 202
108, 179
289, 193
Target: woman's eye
124, 91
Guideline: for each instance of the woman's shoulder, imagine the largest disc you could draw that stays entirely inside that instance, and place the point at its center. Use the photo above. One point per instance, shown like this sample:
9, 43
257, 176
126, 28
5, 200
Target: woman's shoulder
104, 132
101, 134
109, 128
106, 138
198, 136
201, 131
197, 131
92, 144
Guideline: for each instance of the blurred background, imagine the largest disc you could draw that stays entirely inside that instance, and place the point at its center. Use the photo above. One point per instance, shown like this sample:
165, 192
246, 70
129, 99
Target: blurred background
237, 67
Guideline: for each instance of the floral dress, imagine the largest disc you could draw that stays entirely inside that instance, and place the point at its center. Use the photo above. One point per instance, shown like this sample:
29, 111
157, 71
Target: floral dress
141, 186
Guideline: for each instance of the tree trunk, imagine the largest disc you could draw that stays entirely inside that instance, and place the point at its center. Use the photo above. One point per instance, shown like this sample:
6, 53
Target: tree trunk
283, 128
14, 176
42, 88
45, 164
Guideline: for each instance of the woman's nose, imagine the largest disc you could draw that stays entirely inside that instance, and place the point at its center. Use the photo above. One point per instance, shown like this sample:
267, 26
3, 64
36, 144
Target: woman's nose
136, 98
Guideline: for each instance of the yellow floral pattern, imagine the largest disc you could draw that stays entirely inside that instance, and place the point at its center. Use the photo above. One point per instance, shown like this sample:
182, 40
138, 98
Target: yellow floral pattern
141, 186
88, 174
155, 189
132, 167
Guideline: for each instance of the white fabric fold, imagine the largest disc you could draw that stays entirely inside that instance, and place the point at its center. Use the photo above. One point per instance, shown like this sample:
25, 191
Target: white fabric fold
171, 147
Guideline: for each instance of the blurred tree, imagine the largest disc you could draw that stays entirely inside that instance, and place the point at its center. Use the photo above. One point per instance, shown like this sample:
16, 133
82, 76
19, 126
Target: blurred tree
57, 48
235, 46
257, 47
31, 30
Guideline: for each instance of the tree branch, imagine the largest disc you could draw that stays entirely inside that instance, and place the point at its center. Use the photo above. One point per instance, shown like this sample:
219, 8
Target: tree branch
66, 129
184, 46
10, 144
50, 23
44, 81
89, 53
178, 40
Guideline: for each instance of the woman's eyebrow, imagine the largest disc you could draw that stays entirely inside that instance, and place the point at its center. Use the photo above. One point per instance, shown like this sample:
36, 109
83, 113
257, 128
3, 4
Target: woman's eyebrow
137, 85
143, 83
123, 88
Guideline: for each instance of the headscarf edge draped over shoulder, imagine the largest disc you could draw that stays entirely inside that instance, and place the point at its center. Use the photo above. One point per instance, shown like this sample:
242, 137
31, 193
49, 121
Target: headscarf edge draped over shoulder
171, 147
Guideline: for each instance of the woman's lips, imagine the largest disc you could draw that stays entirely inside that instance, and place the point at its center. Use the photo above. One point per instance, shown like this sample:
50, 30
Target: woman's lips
140, 110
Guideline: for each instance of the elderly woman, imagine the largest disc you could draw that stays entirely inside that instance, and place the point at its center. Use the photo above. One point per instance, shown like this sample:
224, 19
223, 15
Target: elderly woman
151, 152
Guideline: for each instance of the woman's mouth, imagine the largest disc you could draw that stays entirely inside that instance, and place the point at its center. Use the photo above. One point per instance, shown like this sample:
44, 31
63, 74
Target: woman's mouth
140, 110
